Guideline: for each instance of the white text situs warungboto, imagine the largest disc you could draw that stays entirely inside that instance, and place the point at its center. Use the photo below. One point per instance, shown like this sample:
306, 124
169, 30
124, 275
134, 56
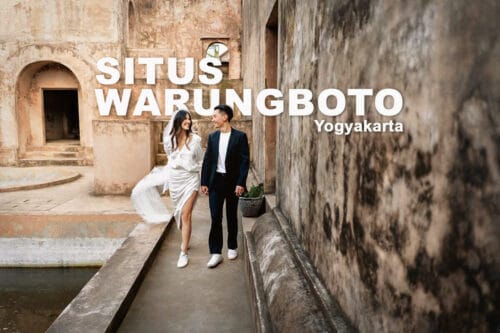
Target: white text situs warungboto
388, 102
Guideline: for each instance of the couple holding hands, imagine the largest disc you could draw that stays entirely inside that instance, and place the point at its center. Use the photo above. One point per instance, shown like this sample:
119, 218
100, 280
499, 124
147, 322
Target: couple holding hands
224, 169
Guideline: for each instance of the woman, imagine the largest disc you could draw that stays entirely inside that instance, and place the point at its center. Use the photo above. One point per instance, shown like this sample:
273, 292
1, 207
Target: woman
180, 176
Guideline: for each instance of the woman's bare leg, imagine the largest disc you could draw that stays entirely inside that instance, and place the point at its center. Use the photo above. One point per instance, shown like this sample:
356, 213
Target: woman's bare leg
186, 213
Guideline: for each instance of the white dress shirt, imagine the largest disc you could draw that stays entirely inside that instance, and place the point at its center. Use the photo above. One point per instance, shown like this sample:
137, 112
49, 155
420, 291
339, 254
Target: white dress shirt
223, 143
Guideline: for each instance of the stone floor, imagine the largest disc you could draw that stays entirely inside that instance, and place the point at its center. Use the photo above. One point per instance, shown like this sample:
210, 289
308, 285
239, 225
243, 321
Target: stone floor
71, 198
13, 179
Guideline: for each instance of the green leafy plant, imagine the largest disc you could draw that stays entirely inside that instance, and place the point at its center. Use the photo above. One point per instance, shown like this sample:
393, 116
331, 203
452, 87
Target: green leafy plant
255, 191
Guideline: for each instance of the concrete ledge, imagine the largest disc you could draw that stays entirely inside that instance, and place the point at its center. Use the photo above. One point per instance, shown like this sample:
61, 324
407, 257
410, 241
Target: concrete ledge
288, 295
292, 305
57, 252
260, 311
103, 302
329, 306
274, 228
49, 225
67, 240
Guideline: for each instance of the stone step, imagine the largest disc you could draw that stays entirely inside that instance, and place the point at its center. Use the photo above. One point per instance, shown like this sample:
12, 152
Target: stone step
55, 148
29, 162
50, 154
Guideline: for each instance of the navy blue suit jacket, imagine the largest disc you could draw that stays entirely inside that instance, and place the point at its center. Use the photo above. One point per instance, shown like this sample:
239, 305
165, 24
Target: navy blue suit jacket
237, 159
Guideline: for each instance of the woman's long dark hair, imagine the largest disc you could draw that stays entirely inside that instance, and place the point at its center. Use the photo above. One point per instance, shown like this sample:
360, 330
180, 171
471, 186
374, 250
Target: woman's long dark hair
177, 128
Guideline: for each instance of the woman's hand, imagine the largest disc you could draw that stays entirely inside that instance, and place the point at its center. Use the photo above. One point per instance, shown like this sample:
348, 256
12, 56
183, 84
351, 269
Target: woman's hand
204, 190
239, 190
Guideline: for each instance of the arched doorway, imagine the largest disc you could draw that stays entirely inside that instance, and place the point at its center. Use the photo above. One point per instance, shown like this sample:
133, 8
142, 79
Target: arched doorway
47, 106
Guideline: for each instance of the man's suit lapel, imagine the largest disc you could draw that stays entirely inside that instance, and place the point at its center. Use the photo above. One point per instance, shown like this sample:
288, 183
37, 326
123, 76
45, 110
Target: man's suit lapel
216, 144
232, 142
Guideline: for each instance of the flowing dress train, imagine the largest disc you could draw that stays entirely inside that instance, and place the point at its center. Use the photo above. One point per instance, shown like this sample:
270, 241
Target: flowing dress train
181, 176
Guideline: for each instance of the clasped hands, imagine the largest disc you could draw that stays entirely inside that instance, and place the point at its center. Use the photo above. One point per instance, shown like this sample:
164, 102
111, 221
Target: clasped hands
238, 190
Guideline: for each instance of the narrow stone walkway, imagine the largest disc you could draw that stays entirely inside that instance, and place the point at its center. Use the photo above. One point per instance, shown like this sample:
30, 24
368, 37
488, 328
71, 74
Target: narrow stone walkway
195, 298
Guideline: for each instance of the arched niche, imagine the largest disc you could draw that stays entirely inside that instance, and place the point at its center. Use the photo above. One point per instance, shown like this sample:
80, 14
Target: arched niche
48, 96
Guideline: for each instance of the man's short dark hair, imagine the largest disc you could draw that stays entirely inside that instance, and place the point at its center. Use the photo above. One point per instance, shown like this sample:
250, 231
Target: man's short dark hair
225, 109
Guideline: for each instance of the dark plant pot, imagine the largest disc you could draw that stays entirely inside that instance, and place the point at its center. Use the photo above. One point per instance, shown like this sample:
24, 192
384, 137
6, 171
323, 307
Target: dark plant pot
250, 207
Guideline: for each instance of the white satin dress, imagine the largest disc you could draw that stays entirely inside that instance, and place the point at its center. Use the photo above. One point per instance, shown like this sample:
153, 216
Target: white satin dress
181, 176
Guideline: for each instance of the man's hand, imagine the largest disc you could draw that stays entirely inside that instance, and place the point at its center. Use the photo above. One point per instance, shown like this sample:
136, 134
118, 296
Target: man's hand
204, 190
239, 190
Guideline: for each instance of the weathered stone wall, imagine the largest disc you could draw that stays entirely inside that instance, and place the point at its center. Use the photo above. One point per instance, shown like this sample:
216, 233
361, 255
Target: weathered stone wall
255, 15
35, 33
169, 29
73, 35
403, 228
173, 29
56, 21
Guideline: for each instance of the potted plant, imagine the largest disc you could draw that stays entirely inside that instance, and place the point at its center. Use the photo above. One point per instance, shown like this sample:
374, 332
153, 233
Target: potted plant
251, 201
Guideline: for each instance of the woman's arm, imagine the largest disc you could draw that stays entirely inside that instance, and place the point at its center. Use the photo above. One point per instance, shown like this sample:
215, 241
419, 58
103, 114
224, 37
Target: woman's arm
167, 143
197, 153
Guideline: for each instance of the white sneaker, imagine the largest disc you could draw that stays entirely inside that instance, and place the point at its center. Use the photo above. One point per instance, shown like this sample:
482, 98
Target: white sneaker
215, 259
183, 260
232, 254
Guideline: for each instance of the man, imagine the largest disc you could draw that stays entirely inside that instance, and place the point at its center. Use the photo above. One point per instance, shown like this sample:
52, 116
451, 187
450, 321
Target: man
223, 177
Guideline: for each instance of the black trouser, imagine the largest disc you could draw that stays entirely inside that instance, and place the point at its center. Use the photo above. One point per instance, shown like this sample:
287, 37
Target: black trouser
222, 190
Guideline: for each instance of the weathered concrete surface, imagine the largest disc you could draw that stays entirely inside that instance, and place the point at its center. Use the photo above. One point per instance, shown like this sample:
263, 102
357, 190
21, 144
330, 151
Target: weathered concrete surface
195, 298
66, 240
75, 198
123, 155
402, 228
293, 304
57, 252
260, 309
185, 30
273, 225
35, 224
102, 303
63, 225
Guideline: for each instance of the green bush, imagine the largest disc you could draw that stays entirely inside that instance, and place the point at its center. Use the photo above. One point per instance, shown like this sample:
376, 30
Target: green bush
255, 191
